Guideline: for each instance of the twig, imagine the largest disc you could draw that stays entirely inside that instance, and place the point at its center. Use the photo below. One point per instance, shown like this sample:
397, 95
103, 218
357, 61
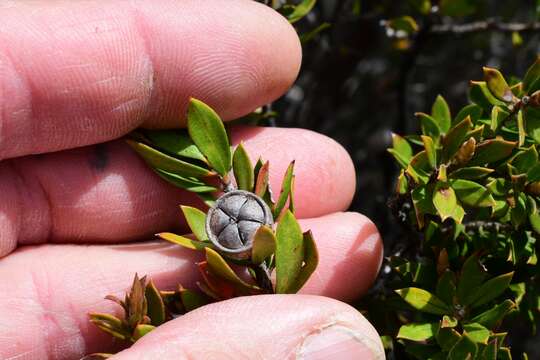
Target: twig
486, 25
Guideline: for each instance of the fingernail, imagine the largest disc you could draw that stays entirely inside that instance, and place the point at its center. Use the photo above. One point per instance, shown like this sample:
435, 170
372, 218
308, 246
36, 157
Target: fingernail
337, 342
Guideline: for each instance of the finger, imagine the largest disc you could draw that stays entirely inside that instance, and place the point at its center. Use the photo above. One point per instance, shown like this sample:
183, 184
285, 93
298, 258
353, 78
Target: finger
79, 73
48, 290
107, 194
298, 327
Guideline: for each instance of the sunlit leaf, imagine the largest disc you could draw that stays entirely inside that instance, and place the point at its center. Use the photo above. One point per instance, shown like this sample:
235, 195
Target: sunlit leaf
491, 289
175, 142
141, 330
491, 151
418, 332
471, 193
208, 133
156, 307
497, 84
243, 169
301, 10
290, 252
183, 241
264, 244
159, 160
219, 267
196, 220
492, 317
441, 113
423, 301
286, 190
477, 332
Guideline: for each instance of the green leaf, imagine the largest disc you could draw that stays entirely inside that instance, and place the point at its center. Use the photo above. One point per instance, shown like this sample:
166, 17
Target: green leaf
472, 276
449, 322
192, 300
429, 125
110, 324
498, 116
491, 151
402, 147
301, 10
497, 84
156, 307
243, 169
464, 349
491, 289
175, 142
445, 201
423, 204
418, 332
403, 23
289, 252
477, 333
480, 95
261, 185
423, 301
446, 288
455, 137
431, 151
159, 160
493, 317
490, 351
418, 168
196, 220
447, 338
472, 194
286, 191
141, 330
307, 37
457, 8
311, 260
208, 133
521, 128
525, 160
441, 113
264, 244
220, 268
191, 184
183, 241
532, 75
471, 173
472, 110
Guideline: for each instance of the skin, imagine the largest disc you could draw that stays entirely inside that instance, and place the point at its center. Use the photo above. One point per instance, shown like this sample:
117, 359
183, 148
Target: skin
76, 76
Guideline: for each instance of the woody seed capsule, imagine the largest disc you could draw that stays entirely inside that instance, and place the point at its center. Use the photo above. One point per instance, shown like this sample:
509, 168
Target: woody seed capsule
234, 219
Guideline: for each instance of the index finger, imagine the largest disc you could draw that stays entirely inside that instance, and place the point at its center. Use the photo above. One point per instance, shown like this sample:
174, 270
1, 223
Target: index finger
79, 73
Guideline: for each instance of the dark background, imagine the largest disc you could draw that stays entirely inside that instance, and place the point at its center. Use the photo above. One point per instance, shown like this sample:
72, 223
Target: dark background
357, 87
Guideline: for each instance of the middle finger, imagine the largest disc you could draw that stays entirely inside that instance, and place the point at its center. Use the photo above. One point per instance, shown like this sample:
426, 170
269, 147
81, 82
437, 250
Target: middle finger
105, 193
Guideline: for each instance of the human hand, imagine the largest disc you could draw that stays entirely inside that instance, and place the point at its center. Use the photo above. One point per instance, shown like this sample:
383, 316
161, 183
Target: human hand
74, 76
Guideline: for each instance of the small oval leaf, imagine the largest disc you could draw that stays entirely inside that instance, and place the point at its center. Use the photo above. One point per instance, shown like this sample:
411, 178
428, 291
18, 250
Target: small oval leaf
208, 133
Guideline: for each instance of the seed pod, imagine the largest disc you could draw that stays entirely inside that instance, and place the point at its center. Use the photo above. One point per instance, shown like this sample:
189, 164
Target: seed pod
234, 219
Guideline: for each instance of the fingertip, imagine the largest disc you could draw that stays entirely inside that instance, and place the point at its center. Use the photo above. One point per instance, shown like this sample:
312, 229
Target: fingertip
350, 255
286, 332
325, 178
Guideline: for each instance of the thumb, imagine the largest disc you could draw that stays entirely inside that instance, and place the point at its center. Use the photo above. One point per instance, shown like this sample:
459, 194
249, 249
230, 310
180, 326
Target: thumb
263, 327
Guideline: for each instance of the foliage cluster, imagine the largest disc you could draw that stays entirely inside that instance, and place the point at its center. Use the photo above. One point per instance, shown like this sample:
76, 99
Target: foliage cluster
469, 188
199, 160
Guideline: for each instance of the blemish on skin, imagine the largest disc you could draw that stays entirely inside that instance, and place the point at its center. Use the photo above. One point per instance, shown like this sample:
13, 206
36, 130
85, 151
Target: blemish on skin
99, 159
